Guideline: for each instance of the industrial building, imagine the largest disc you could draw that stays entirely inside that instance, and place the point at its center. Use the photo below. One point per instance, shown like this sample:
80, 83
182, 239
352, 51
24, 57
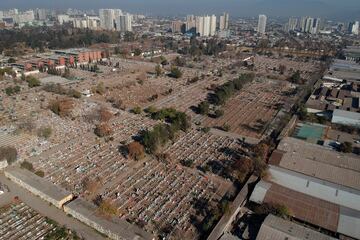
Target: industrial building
346, 118
318, 185
39, 186
119, 230
277, 228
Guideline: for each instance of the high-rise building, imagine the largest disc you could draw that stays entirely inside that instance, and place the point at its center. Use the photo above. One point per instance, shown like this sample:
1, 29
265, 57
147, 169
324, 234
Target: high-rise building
177, 26
315, 27
355, 28
224, 22
190, 23
303, 24
107, 17
206, 25
63, 18
310, 25
262, 24
124, 23
40, 14
199, 25
292, 24
24, 17
212, 25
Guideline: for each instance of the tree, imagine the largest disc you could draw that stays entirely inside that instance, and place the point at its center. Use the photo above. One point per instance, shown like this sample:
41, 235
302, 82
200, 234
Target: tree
175, 72
62, 107
136, 151
105, 115
346, 147
129, 36
219, 113
74, 93
45, 132
302, 112
204, 108
226, 127
137, 110
163, 61
100, 88
296, 77
179, 61
33, 82
158, 70
9, 154
282, 69
107, 208
27, 165
40, 173
103, 130
137, 52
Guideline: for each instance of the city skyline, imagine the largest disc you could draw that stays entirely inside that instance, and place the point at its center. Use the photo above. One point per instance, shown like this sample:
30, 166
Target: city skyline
243, 8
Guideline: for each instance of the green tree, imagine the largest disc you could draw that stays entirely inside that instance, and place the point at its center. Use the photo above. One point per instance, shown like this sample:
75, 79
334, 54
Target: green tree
346, 147
204, 108
137, 110
219, 113
175, 72
158, 70
33, 82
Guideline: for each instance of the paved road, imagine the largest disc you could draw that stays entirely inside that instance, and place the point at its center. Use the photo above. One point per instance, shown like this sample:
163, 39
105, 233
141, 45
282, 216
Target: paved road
46, 210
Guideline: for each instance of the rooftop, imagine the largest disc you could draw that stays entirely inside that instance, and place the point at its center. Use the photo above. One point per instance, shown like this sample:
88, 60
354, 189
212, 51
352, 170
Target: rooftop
277, 228
38, 183
119, 227
319, 162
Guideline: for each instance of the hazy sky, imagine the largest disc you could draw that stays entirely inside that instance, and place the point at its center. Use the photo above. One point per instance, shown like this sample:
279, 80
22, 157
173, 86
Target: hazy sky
331, 8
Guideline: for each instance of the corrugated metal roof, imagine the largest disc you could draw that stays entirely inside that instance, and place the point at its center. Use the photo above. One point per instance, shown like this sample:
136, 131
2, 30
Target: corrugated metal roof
304, 207
315, 187
260, 191
317, 161
346, 114
349, 222
278, 228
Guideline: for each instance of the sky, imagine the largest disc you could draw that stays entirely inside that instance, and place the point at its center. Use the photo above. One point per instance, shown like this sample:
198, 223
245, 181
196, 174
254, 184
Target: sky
334, 9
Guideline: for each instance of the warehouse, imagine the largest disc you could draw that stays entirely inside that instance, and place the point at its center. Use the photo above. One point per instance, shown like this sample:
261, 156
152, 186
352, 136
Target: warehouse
346, 118
318, 212
39, 186
119, 230
277, 228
